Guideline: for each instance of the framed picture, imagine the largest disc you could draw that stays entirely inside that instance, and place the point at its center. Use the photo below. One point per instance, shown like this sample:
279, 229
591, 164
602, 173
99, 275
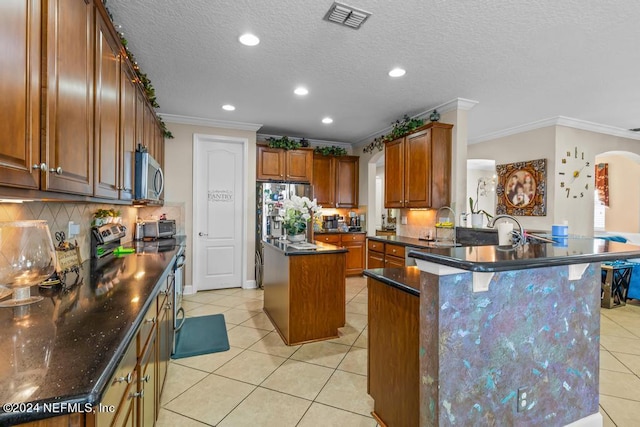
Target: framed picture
522, 188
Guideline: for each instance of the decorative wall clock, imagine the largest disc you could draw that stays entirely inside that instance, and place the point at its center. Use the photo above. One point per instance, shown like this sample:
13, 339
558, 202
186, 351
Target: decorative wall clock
575, 174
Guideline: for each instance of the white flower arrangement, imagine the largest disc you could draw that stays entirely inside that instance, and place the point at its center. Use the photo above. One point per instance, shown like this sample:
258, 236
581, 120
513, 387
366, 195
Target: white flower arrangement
297, 212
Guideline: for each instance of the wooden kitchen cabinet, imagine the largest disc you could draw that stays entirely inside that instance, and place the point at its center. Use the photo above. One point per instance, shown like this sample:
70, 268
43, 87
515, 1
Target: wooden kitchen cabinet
107, 112
385, 255
128, 94
335, 181
69, 139
355, 245
418, 168
277, 164
20, 89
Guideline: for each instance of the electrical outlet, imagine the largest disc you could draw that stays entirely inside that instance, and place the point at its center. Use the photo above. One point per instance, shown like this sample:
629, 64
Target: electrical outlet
74, 229
524, 397
403, 220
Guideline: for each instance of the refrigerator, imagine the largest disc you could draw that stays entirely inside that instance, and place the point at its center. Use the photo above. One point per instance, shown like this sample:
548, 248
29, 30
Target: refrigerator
269, 199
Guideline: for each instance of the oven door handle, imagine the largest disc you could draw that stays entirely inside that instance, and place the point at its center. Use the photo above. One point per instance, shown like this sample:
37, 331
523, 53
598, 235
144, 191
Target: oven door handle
178, 326
179, 262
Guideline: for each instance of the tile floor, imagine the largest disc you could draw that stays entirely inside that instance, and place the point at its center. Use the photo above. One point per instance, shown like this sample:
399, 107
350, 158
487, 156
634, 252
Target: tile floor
262, 382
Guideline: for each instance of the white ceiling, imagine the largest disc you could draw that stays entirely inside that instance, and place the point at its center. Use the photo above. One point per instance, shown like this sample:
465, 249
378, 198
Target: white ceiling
522, 60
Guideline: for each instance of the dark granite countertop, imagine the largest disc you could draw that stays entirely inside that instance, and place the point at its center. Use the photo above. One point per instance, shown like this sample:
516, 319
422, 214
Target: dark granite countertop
339, 232
406, 279
533, 255
403, 241
65, 348
288, 249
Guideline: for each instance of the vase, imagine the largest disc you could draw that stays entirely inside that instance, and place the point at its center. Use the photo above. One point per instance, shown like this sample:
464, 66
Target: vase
477, 220
294, 238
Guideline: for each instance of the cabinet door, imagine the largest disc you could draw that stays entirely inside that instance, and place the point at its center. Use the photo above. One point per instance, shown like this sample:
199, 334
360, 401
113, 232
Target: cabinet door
299, 165
375, 260
20, 89
355, 258
417, 170
440, 165
270, 164
394, 174
347, 182
149, 130
69, 108
127, 131
140, 108
393, 262
324, 180
107, 112
147, 402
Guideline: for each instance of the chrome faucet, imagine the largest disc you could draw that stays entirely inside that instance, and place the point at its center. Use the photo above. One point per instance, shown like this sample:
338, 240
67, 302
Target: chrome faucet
520, 238
453, 239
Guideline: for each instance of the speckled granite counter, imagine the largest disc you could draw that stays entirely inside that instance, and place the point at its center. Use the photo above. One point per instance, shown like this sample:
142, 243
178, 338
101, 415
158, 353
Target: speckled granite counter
403, 241
288, 249
406, 279
65, 348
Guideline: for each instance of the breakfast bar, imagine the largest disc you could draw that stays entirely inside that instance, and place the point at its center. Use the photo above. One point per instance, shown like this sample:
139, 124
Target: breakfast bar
304, 290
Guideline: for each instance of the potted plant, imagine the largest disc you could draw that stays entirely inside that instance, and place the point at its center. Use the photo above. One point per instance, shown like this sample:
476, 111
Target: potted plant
105, 216
477, 215
297, 213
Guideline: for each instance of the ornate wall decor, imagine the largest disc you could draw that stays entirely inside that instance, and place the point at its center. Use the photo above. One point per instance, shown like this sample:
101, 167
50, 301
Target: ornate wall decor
522, 188
602, 182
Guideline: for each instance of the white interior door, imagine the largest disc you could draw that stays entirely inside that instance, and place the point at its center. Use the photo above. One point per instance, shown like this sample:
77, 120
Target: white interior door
218, 204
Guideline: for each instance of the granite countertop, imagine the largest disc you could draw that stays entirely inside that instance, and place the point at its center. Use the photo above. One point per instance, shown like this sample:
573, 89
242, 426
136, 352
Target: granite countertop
406, 279
288, 248
65, 348
493, 258
339, 232
403, 241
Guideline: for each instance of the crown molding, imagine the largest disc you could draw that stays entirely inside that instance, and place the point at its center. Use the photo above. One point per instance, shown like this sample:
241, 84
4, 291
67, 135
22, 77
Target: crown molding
558, 121
312, 142
455, 104
200, 121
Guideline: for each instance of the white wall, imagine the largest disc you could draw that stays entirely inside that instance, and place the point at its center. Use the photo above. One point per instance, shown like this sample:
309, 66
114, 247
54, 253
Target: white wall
623, 213
486, 202
179, 185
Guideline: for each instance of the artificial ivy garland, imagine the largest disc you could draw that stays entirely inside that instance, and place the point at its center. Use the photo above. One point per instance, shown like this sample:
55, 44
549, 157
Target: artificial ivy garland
400, 128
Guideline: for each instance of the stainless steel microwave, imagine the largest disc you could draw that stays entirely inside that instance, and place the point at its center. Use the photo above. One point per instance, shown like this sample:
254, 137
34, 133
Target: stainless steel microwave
149, 177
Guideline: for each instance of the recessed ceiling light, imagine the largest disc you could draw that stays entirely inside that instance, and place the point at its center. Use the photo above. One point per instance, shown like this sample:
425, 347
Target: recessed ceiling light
327, 120
249, 39
397, 72
228, 107
301, 91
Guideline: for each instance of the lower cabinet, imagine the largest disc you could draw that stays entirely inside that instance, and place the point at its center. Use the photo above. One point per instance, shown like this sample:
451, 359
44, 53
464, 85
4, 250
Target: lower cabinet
354, 243
385, 255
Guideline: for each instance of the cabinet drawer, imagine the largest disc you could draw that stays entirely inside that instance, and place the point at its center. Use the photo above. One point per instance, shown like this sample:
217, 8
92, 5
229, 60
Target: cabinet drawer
391, 261
147, 327
376, 246
394, 250
348, 238
328, 238
118, 388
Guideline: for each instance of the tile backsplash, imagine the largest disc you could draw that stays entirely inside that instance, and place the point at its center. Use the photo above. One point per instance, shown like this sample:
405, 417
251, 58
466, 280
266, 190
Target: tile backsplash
59, 214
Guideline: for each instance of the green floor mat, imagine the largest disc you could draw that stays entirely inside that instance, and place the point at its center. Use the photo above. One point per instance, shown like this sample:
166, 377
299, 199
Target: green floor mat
201, 335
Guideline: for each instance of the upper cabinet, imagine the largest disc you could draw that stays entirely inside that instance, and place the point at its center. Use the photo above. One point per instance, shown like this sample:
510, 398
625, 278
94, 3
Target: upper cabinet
69, 101
20, 89
418, 168
73, 109
335, 181
277, 164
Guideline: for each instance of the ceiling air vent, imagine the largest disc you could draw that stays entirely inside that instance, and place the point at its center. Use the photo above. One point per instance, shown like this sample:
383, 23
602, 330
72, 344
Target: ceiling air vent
346, 15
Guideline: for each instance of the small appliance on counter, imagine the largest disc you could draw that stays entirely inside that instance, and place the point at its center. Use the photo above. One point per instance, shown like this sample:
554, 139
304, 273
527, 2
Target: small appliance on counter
330, 222
149, 229
106, 238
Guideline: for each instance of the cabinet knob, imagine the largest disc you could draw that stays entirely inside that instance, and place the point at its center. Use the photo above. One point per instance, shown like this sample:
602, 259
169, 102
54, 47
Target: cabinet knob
139, 394
119, 187
41, 166
126, 379
146, 378
152, 320
167, 306
128, 189
393, 250
57, 171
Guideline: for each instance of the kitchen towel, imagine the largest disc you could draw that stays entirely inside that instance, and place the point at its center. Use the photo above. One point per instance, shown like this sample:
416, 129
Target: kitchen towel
201, 335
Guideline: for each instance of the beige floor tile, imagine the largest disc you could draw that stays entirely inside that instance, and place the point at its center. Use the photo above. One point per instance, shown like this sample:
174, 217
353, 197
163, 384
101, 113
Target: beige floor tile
179, 379
358, 321
233, 301
209, 362
326, 416
273, 344
252, 305
299, 379
610, 328
227, 291
348, 296
609, 362
204, 297
363, 339
360, 299
237, 316
167, 418
250, 367
623, 412
321, 353
244, 337
206, 310
267, 408
259, 321
621, 345
211, 399
618, 384
355, 361
631, 361
347, 391
606, 421
190, 305
347, 335
354, 307
250, 293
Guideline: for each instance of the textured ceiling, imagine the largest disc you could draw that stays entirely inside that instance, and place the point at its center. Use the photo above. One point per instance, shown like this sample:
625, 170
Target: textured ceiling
523, 60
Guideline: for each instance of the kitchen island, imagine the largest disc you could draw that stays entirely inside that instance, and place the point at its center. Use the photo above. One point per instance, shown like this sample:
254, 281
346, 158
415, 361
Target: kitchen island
304, 290
78, 347
510, 336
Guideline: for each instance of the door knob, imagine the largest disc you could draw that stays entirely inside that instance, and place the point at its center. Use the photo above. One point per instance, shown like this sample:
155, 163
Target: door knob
201, 234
